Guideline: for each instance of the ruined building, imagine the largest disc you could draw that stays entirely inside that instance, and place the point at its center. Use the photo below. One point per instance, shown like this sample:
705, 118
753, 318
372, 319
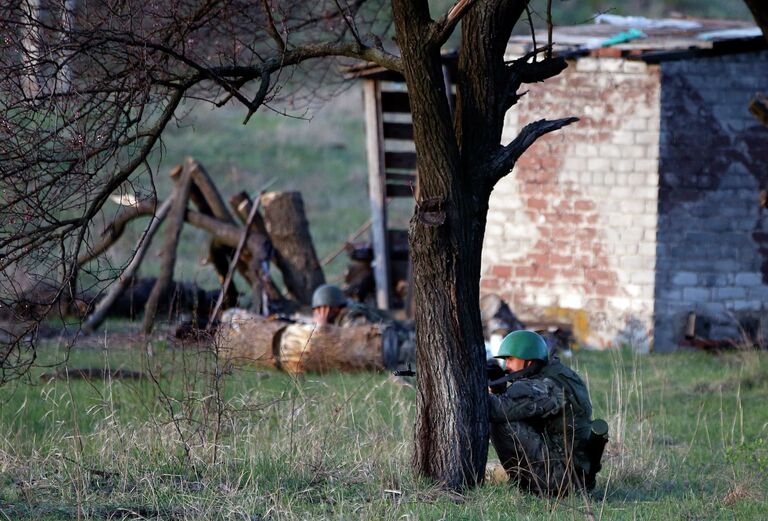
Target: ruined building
648, 209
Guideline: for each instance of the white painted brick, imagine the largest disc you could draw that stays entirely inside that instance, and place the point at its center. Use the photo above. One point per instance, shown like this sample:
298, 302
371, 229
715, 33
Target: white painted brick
635, 123
620, 192
635, 179
619, 303
647, 193
642, 277
647, 166
598, 179
587, 64
647, 138
493, 230
610, 65
597, 164
623, 165
632, 206
623, 137
585, 150
634, 152
633, 67
610, 150
647, 248
610, 178
576, 163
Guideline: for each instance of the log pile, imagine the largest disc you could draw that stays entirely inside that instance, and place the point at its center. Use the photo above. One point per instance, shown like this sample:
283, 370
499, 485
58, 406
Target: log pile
281, 236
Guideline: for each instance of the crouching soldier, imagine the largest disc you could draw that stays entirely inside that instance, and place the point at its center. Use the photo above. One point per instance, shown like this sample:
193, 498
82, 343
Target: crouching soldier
541, 424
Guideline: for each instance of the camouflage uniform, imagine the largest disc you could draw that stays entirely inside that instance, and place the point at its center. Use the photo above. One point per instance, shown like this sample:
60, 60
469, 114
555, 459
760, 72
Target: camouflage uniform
356, 314
540, 427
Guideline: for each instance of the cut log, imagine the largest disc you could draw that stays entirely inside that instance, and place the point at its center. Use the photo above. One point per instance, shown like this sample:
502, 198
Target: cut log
245, 337
307, 348
298, 348
295, 255
173, 233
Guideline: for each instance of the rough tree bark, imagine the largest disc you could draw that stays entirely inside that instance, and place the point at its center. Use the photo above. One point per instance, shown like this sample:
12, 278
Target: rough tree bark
458, 163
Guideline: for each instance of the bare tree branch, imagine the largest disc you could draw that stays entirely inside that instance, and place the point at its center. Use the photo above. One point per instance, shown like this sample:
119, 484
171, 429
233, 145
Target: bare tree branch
443, 27
505, 160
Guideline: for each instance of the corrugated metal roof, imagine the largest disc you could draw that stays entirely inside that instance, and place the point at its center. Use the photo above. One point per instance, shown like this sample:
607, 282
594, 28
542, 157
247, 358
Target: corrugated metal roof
636, 36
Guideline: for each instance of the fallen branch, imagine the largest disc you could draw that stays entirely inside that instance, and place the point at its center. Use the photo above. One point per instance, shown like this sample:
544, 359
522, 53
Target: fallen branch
102, 308
180, 198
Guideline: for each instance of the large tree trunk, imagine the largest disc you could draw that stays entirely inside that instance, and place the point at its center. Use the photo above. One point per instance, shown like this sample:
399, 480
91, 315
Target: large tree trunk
451, 431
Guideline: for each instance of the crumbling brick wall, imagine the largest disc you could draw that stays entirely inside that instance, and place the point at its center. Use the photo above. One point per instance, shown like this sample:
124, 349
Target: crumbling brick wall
571, 233
712, 234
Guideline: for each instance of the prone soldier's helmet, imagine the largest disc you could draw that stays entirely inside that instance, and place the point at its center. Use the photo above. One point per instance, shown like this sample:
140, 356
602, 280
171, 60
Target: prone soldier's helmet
525, 345
328, 295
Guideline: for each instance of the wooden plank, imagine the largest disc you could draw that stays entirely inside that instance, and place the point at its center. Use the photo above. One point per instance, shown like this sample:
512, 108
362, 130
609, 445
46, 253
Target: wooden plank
400, 160
374, 141
398, 131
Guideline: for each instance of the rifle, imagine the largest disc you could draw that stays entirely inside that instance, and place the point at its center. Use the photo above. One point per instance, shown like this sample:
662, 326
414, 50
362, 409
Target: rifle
497, 376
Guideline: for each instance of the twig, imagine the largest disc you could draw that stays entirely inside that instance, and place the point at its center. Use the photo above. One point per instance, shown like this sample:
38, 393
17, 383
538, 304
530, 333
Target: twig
357, 233
233, 262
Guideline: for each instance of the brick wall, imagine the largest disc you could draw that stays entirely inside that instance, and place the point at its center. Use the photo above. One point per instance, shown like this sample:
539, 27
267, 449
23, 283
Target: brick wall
571, 233
712, 234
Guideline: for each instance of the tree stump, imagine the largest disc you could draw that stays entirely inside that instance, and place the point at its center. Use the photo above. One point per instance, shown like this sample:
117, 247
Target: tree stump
295, 254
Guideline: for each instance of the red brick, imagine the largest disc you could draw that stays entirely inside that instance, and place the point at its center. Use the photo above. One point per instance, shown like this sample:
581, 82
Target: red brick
503, 272
524, 271
604, 290
489, 284
536, 204
599, 275
545, 273
561, 260
584, 205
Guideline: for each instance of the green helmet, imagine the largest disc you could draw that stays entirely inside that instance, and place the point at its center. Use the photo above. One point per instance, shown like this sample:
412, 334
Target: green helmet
525, 345
328, 295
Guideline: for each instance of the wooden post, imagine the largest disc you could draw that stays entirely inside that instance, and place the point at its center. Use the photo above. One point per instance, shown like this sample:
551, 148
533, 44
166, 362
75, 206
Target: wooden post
374, 133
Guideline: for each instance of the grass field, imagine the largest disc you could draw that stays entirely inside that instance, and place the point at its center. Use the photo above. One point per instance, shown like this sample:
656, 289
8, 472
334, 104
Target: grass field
689, 440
